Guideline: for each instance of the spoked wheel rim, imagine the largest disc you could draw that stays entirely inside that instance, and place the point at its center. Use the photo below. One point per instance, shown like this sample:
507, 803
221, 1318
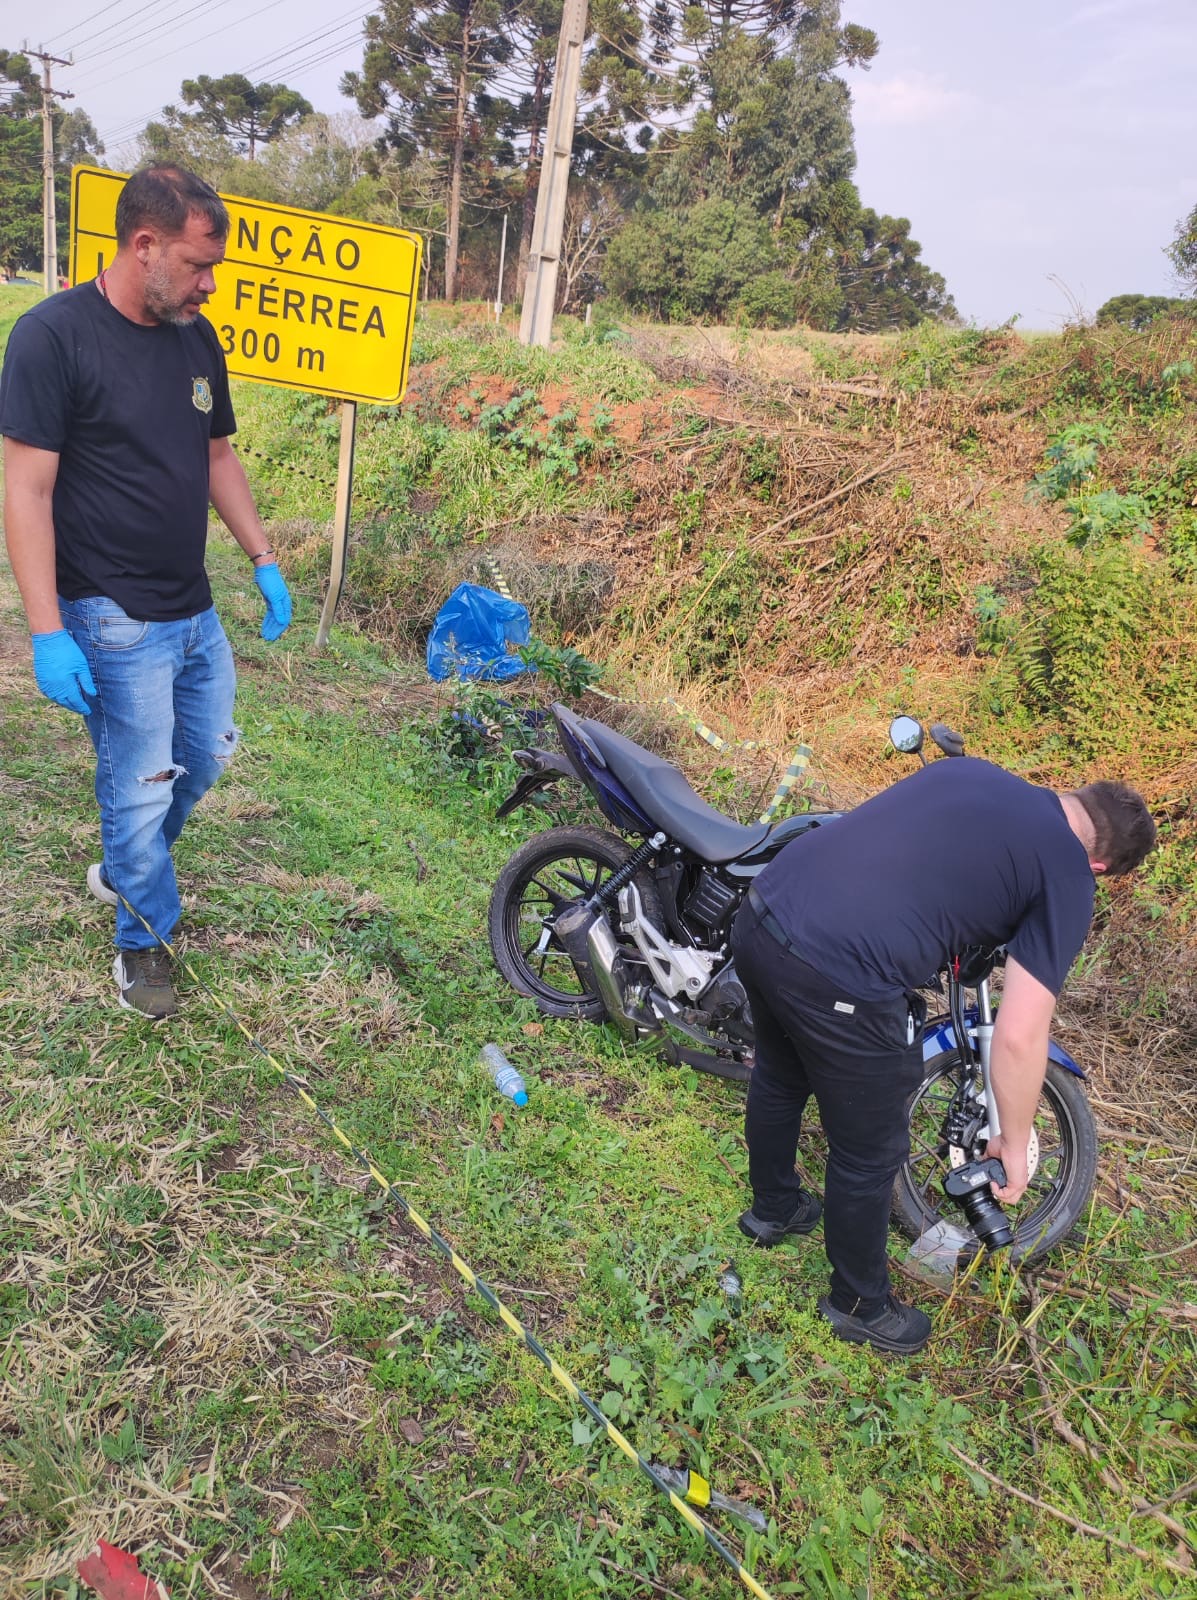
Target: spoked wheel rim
1051, 1184
540, 894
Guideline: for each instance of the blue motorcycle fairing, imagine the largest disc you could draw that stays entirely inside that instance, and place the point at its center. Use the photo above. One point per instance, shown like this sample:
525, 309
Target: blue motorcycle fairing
939, 1035
613, 800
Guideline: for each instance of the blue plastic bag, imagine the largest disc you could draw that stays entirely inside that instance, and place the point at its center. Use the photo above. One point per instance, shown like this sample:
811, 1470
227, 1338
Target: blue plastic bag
471, 633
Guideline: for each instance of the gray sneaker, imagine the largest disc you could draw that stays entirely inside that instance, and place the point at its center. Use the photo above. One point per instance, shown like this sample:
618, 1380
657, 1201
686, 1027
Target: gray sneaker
99, 885
143, 982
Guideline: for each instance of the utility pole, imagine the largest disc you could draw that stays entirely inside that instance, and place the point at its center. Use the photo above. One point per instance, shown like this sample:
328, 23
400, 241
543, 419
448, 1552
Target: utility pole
49, 218
544, 257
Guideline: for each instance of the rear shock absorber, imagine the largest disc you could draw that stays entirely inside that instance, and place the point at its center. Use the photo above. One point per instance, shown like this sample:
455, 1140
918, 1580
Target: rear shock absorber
640, 857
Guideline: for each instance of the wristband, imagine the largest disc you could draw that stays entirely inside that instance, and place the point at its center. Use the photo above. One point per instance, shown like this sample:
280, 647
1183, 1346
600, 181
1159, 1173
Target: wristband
257, 556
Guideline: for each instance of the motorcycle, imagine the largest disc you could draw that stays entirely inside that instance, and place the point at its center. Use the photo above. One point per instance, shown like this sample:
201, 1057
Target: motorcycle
591, 927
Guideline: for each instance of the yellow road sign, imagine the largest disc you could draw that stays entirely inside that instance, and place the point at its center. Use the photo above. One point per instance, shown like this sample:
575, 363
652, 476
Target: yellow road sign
303, 300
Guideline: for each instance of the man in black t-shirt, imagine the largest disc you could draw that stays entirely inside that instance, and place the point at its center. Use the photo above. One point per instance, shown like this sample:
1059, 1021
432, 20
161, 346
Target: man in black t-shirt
115, 411
836, 936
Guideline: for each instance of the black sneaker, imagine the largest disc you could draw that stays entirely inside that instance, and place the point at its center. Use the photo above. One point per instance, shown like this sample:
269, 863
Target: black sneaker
897, 1328
143, 982
767, 1234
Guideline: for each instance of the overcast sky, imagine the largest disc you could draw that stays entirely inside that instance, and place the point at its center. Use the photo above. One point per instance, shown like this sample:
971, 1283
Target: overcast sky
1026, 140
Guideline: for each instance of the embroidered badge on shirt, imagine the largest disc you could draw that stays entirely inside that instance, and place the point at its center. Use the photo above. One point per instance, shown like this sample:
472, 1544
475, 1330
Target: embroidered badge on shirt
201, 394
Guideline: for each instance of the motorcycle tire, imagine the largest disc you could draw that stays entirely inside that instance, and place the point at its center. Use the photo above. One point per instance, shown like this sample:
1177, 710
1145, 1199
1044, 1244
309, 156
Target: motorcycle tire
546, 874
1057, 1195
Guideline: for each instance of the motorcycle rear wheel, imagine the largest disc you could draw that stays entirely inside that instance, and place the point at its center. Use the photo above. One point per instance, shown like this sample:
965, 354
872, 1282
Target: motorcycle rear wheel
551, 871
1059, 1191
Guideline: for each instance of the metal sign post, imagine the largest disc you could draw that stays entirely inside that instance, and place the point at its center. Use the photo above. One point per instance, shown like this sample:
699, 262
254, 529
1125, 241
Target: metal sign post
303, 301
340, 540
502, 264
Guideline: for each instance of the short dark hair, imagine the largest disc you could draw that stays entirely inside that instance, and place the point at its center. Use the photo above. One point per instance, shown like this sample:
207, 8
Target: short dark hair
1123, 829
164, 197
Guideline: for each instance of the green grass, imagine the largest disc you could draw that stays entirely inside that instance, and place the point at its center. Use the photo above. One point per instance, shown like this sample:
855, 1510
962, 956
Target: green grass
220, 1347
14, 299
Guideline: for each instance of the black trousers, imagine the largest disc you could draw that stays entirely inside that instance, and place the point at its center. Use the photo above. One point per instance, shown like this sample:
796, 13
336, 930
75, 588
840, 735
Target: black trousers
861, 1060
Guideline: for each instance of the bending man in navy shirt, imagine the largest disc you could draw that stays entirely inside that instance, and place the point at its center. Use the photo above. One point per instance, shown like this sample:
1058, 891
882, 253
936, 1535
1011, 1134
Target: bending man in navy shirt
115, 411
835, 938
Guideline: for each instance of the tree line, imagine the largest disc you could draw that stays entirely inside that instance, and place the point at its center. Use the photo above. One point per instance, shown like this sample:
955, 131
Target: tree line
712, 174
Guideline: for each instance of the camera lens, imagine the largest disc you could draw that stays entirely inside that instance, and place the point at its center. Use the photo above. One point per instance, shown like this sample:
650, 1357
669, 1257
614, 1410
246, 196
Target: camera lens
988, 1221
969, 1185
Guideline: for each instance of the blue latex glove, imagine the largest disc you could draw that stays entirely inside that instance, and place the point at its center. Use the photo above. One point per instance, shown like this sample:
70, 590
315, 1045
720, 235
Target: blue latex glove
277, 597
61, 670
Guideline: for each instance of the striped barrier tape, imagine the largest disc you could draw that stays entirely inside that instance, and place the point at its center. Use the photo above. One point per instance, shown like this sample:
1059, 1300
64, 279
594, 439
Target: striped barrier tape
496, 573
695, 1483
789, 778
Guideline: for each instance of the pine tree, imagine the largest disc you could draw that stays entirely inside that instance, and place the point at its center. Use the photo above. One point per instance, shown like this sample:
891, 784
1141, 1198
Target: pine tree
428, 69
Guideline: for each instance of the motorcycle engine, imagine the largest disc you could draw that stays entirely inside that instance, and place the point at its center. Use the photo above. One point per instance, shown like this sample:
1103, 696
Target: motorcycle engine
710, 902
724, 998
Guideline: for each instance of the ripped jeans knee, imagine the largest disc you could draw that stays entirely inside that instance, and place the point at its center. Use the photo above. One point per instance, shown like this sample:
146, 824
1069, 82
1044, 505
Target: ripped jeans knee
167, 775
226, 747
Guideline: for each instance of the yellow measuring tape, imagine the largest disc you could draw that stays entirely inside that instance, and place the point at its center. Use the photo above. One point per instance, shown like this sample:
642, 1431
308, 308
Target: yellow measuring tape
469, 1276
798, 764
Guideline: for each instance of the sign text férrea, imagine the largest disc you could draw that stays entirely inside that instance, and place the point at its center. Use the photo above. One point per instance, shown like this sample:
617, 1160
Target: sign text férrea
303, 300
311, 300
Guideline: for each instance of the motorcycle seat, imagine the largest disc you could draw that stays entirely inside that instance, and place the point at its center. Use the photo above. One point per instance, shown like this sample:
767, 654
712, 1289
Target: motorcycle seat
663, 794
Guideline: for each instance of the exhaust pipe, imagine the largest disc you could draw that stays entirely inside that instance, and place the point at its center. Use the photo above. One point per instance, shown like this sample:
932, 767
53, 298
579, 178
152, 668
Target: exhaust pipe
590, 945
607, 964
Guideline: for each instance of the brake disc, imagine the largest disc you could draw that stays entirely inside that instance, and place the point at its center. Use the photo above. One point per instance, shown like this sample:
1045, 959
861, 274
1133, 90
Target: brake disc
957, 1157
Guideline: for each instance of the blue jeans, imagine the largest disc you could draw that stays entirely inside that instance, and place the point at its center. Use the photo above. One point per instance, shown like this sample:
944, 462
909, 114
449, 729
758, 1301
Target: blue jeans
162, 725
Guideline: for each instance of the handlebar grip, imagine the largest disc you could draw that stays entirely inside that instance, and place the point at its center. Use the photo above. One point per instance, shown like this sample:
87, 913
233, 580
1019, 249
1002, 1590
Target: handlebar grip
951, 743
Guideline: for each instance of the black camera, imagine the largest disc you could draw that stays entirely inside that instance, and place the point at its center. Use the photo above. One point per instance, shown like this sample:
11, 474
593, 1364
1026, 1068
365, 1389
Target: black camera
970, 1186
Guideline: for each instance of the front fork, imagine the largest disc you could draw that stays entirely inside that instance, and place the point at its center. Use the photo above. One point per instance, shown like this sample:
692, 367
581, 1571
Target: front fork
984, 1051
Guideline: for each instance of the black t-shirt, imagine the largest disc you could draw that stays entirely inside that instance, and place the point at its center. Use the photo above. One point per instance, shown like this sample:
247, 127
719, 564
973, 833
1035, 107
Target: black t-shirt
130, 410
958, 853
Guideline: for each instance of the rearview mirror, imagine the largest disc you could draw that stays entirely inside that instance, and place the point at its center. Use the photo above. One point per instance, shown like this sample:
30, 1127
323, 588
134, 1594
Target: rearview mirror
906, 735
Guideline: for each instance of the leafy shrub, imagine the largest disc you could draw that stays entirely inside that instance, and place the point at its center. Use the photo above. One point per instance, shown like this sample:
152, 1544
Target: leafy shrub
1095, 650
567, 669
933, 356
725, 610
1072, 459
697, 264
770, 301
558, 449
1106, 515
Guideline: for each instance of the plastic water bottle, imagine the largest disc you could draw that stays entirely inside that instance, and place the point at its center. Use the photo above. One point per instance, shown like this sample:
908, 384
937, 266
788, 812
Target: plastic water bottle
507, 1080
732, 1285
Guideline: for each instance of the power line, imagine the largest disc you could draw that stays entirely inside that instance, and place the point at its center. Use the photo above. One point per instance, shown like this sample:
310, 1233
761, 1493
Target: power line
134, 40
139, 66
128, 126
120, 22
308, 39
83, 24
325, 53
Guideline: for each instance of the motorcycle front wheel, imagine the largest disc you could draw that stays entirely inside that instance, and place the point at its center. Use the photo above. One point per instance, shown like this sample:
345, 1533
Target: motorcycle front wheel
543, 877
1059, 1191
